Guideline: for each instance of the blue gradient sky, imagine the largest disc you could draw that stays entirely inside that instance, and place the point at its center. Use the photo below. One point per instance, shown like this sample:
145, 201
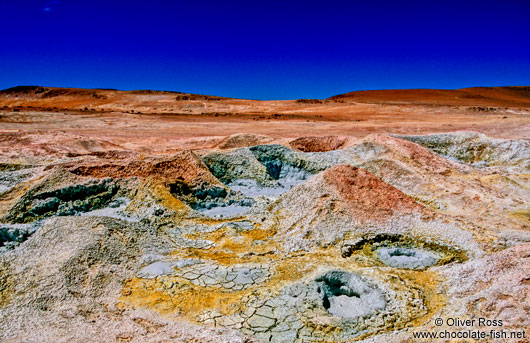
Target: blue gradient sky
264, 49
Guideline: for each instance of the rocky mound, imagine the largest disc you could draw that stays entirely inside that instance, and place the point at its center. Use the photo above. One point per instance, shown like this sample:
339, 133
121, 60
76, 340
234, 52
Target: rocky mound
70, 200
366, 196
237, 164
317, 144
478, 149
446, 184
241, 140
345, 202
409, 153
279, 160
184, 166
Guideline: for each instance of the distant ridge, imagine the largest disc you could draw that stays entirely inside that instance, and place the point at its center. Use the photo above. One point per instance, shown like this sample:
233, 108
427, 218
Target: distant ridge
494, 96
476, 99
48, 92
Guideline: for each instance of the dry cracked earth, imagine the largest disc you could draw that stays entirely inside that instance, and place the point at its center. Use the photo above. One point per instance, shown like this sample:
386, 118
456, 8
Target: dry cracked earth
258, 238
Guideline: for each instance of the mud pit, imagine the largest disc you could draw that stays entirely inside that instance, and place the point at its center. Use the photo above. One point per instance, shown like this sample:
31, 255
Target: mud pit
406, 258
65, 201
347, 295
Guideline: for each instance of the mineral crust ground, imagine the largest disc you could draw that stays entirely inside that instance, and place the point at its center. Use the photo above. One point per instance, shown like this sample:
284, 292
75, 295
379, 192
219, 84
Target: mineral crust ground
147, 216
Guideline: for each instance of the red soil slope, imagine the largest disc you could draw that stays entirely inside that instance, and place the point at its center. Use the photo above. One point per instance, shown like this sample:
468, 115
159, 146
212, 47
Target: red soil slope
484, 96
367, 196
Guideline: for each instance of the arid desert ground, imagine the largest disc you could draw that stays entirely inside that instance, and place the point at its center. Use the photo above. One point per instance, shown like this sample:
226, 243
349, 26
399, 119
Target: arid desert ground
372, 216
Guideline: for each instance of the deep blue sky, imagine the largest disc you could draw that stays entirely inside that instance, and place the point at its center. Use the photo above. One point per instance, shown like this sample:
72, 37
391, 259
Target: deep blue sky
264, 49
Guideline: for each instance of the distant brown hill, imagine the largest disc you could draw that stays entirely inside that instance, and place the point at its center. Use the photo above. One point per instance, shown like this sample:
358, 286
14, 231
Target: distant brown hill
485, 96
99, 100
52, 92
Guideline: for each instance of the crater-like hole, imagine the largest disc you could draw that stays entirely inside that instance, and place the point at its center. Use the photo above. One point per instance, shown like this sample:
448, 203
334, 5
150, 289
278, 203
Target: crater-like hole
402, 252
349, 295
211, 200
407, 258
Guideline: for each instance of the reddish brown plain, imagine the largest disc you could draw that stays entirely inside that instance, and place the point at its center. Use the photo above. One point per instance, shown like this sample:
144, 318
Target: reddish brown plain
164, 122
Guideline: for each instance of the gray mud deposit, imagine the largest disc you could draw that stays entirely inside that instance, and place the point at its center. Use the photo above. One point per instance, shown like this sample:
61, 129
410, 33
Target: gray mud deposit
406, 258
347, 295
